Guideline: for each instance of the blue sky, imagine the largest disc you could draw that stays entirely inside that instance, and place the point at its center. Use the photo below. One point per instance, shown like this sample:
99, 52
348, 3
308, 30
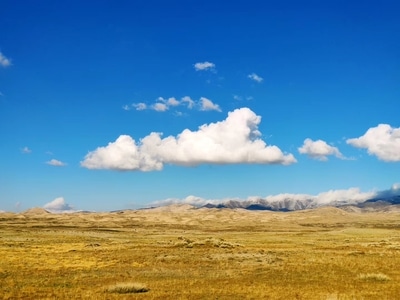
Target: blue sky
254, 98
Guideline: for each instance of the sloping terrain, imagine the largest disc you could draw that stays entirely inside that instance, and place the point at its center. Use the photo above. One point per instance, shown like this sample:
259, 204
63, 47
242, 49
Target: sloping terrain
183, 252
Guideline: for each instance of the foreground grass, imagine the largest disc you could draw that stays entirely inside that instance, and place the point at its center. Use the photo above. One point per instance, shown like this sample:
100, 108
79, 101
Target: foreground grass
44, 257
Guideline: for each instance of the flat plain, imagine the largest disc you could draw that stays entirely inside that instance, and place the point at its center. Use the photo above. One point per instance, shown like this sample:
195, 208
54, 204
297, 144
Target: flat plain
181, 252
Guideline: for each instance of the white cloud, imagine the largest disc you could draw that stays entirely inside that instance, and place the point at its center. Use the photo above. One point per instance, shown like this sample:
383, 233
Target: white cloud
59, 205
231, 141
161, 107
55, 163
255, 77
202, 66
207, 104
136, 106
4, 61
164, 104
382, 141
191, 200
121, 155
279, 201
139, 106
172, 101
189, 101
319, 150
349, 196
26, 150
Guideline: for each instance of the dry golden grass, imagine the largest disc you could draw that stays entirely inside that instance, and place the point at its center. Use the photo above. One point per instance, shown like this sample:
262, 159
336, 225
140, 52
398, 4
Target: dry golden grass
185, 253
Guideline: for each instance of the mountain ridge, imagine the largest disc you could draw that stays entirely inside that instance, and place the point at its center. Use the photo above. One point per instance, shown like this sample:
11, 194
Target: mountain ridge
288, 204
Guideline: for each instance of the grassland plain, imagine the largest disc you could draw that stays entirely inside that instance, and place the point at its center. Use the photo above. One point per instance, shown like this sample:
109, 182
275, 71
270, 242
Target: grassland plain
179, 252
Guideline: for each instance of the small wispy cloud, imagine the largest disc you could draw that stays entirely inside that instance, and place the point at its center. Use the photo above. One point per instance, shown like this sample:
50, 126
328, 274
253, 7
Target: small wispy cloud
136, 106
178, 113
237, 97
207, 104
241, 98
189, 101
255, 77
172, 101
26, 150
58, 205
203, 66
4, 61
56, 163
164, 104
161, 107
319, 150
140, 106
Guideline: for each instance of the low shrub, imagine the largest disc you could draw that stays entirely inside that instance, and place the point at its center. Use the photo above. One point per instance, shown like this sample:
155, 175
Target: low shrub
127, 288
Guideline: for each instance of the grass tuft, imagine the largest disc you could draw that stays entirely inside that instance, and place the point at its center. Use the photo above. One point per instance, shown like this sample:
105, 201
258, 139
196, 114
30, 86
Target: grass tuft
374, 277
127, 288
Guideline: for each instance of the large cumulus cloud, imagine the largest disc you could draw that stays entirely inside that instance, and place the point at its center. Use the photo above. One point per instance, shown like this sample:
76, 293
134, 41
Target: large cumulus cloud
231, 141
382, 141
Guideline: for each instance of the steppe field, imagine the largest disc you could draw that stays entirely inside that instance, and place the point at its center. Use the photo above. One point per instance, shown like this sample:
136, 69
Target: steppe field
180, 252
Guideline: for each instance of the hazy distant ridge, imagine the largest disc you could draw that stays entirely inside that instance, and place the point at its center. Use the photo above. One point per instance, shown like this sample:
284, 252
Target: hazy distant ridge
290, 204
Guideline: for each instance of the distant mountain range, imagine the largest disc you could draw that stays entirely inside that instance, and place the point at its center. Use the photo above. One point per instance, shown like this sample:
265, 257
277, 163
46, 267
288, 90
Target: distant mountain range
384, 201
376, 204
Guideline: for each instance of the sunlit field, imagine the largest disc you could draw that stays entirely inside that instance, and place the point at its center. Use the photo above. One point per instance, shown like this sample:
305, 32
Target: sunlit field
179, 252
